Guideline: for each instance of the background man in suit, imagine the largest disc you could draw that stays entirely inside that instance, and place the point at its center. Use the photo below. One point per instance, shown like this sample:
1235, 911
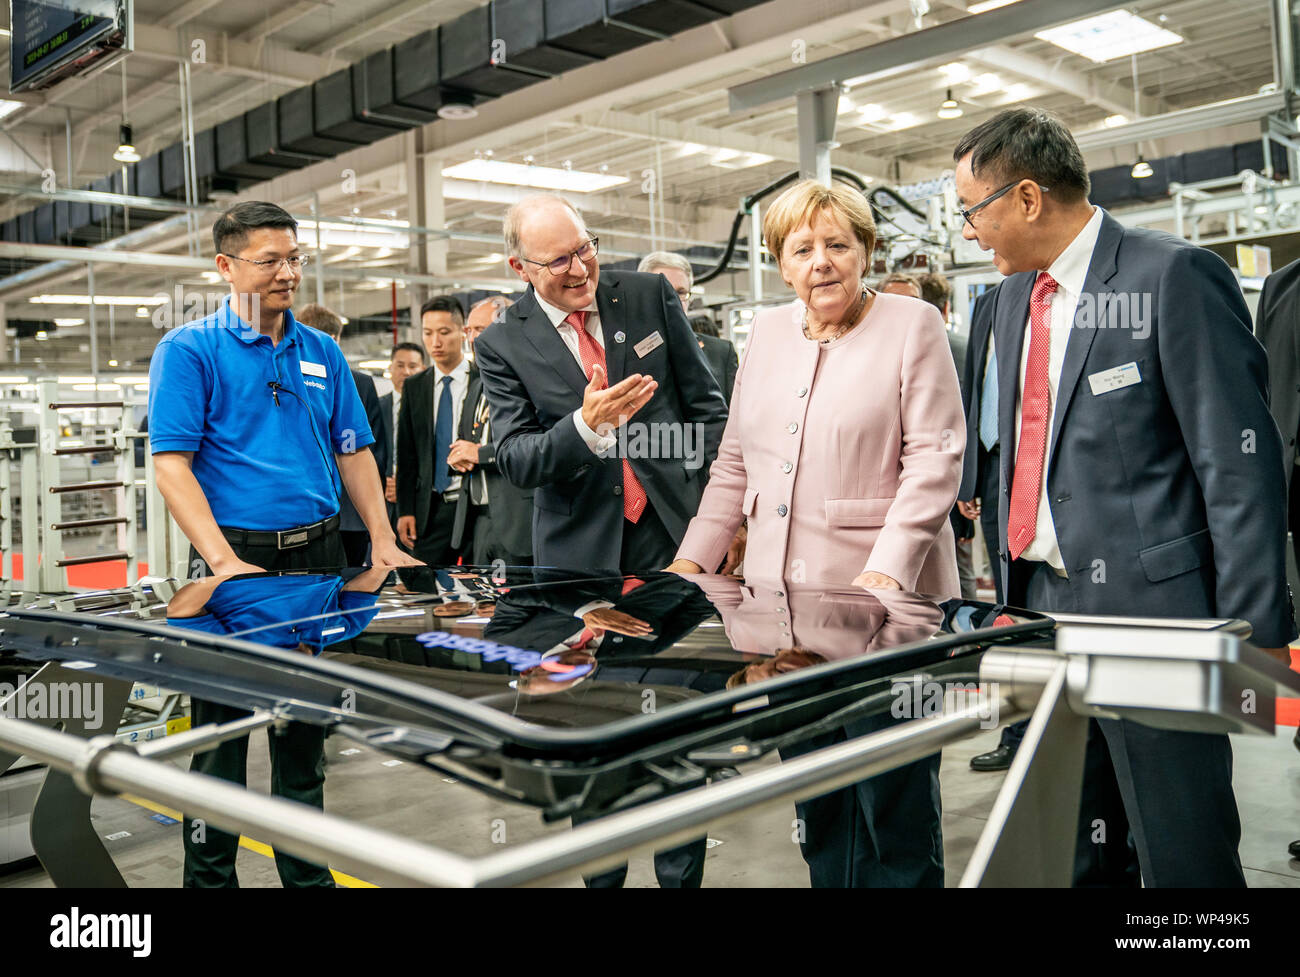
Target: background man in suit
356, 541
1141, 471
963, 529
406, 360
430, 416
502, 515
559, 421
977, 498
718, 353
1277, 326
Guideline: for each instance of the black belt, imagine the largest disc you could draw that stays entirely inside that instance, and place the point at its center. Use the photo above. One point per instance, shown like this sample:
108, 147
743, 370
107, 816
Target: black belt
282, 539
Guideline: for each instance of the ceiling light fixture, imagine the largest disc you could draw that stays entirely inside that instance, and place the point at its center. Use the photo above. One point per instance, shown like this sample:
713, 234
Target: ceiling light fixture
950, 109
541, 177
125, 143
1111, 121
986, 5
126, 152
457, 111
1109, 36
1141, 169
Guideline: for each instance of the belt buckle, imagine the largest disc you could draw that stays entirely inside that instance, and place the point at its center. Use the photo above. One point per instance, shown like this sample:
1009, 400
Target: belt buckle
287, 539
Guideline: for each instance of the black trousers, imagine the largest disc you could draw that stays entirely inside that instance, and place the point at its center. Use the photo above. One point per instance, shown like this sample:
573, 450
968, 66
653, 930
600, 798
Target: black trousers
1157, 805
880, 833
647, 544
989, 487
356, 547
297, 751
433, 546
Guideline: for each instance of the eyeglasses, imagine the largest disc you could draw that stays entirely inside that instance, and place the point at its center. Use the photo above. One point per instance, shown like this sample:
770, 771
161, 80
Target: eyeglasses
560, 265
969, 212
271, 266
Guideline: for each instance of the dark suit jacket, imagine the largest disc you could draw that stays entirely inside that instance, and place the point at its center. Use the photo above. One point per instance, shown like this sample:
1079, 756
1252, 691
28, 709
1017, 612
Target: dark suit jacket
387, 420
723, 362
511, 508
1170, 490
349, 518
415, 441
534, 385
972, 384
1277, 326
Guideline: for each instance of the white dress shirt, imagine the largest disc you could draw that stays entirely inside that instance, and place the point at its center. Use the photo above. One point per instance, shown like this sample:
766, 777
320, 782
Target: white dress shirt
459, 387
1069, 270
594, 441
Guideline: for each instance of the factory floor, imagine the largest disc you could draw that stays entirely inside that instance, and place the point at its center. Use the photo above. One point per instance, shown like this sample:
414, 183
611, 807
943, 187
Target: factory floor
756, 852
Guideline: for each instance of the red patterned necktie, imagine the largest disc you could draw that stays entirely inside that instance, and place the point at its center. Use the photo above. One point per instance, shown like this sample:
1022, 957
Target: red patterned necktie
591, 353
1035, 409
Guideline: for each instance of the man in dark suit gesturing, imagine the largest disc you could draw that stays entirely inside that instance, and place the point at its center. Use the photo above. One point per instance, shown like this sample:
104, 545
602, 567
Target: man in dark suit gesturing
1141, 471
600, 399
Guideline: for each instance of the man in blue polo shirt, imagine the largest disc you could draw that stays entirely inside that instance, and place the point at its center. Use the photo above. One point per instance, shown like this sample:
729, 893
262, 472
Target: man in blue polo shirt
256, 429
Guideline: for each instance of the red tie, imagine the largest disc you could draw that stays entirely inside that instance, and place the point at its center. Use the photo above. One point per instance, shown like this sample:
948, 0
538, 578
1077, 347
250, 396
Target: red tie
590, 352
1035, 409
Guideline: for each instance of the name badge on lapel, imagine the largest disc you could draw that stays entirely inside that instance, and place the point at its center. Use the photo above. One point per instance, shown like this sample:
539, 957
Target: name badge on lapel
313, 369
1114, 379
651, 342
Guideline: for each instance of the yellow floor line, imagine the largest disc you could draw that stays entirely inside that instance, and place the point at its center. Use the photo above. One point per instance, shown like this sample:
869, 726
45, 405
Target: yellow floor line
342, 878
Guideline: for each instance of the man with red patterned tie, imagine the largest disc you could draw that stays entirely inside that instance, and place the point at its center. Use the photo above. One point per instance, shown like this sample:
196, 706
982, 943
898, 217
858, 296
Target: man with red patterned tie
600, 398
1141, 471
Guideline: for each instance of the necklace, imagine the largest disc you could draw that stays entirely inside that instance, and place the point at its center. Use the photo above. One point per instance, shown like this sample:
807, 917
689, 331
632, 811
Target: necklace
848, 324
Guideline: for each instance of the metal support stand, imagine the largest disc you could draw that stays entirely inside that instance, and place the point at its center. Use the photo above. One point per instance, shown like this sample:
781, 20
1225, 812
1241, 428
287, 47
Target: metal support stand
63, 836
817, 111
1029, 838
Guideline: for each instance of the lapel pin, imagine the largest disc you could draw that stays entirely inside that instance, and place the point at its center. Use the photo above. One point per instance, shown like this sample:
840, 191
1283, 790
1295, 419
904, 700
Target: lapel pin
619, 336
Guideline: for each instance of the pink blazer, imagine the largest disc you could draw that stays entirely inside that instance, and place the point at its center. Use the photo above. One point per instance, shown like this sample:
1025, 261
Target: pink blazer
844, 457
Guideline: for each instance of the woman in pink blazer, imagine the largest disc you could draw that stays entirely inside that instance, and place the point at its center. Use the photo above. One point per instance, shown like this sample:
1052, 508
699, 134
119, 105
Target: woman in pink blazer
844, 446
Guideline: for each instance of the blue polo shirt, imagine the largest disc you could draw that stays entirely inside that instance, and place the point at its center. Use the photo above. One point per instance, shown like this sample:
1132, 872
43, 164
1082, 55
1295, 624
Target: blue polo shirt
260, 465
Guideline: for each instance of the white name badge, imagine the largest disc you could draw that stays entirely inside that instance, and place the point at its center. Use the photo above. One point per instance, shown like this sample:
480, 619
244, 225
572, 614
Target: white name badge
313, 369
1115, 379
651, 342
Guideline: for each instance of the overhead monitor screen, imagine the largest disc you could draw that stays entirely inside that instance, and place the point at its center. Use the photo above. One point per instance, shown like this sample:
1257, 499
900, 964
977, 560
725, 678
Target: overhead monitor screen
54, 38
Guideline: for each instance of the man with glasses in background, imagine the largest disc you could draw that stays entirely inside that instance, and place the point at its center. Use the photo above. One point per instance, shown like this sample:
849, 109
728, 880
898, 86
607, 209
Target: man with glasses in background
256, 428
580, 356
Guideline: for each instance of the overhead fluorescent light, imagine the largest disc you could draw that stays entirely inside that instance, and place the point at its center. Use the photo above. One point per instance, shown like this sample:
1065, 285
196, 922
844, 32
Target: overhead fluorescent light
1111, 121
9, 107
61, 299
13, 379
986, 5
1019, 92
1106, 37
902, 120
872, 113
69, 322
542, 177
987, 84
955, 72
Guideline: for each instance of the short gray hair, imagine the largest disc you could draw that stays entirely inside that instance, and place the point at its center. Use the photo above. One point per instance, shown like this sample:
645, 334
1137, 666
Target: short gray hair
515, 217
666, 259
499, 302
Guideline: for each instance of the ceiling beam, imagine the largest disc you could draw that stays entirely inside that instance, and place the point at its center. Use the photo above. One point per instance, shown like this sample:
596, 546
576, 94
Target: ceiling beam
374, 23
1061, 78
279, 21
626, 124
185, 13
931, 46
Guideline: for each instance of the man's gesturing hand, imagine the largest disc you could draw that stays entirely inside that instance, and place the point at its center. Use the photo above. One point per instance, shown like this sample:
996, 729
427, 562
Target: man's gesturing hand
603, 410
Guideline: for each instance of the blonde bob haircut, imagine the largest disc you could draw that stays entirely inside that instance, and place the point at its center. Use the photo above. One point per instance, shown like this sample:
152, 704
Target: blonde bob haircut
797, 205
